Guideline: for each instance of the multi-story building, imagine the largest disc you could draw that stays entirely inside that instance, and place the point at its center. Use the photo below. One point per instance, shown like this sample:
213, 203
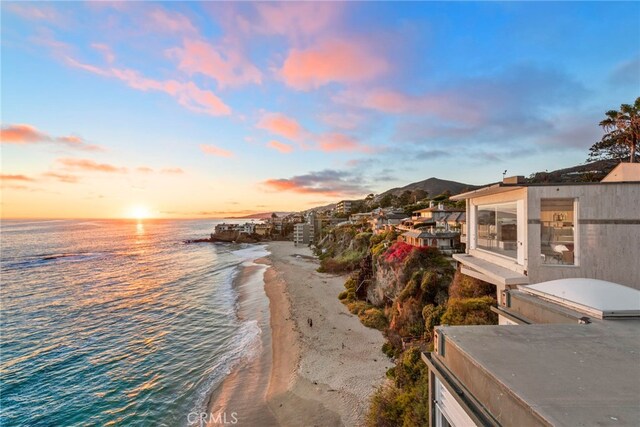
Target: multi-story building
520, 233
344, 206
302, 234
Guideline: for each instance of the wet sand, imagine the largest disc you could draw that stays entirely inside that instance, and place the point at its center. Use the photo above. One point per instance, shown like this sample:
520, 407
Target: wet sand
318, 364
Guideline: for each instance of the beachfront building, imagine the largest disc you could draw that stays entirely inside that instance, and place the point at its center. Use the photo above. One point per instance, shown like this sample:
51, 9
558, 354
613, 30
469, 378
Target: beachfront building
521, 233
434, 212
246, 228
565, 353
263, 229
302, 234
359, 217
344, 206
447, 242
385, 221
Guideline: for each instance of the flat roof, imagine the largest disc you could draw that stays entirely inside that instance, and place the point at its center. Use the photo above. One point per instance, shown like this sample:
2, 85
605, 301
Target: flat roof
502, 187
567, 374
597, 298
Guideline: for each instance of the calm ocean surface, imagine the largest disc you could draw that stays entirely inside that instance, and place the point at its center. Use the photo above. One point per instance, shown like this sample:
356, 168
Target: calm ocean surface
116, 322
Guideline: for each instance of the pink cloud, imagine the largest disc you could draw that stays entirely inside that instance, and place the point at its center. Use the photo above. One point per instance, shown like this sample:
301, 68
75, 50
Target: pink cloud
227, 65
90, 165
449, 105
332, 61
215, 151
174, 22
144, 169
331, 142
68, 178
106, 51
296, 19
35, 13
343, 120
282, 125
188, 94
27, 134
22, 178
172, 171
281, 147
329, 183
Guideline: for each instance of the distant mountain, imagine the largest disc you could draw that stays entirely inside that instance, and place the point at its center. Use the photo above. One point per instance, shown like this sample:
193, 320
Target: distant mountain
261, 215
433, 186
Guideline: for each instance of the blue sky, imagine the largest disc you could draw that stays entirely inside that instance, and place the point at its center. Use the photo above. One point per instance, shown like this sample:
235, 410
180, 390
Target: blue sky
212, 109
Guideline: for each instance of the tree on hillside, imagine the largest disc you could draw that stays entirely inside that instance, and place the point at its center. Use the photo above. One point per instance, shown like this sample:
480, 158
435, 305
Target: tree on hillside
622, 134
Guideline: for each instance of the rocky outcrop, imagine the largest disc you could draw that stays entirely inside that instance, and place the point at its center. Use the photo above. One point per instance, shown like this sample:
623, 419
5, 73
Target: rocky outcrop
229, 237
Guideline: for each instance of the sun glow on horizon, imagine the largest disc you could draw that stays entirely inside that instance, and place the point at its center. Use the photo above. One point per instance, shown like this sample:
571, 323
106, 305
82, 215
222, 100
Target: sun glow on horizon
138, 212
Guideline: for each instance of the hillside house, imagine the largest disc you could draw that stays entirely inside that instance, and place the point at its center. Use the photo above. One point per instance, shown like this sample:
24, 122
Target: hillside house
521, 233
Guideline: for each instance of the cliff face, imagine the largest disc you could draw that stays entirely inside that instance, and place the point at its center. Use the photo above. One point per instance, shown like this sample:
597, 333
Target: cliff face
234, 236
386, 284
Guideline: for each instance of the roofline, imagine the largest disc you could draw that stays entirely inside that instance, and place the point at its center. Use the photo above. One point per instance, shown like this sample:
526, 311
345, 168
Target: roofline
509, 187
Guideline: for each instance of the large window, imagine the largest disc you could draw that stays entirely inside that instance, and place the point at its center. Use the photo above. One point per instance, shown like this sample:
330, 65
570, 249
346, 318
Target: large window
498, 228
557, 231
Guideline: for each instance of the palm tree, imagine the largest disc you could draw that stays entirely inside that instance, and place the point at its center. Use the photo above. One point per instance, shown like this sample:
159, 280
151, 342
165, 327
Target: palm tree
623, 129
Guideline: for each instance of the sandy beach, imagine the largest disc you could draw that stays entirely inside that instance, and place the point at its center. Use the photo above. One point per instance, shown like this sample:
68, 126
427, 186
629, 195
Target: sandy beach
318, 364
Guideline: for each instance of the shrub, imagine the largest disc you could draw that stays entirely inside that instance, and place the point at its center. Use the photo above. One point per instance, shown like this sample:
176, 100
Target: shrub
343, 295
357, 307
464, 286
412, 287
432, 316
470, 311
374, 318
405, 402
397, 252
388, 349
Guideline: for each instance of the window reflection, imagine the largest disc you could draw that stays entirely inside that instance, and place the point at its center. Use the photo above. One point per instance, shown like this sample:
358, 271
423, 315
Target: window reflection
557, 231
498, 228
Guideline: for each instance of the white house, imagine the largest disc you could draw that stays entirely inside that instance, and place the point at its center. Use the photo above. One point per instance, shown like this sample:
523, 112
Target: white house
522, 233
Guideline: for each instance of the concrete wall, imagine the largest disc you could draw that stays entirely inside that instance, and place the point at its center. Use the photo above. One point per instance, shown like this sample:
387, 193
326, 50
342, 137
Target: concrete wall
607, 235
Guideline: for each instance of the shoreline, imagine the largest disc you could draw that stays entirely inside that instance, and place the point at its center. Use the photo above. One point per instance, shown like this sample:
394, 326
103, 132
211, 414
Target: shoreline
318, 364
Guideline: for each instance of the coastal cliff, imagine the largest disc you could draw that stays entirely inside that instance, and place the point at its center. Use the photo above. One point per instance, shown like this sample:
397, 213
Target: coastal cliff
404, 291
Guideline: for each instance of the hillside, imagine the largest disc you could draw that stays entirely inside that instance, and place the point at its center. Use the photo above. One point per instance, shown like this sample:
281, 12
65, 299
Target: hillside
433, 186
588, 172
261, 215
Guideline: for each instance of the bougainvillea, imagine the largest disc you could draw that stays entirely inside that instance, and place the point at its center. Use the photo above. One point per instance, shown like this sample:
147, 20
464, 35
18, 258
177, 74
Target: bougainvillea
397, 252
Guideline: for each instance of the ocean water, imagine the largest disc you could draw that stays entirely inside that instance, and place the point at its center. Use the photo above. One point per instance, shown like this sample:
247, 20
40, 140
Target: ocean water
117, 322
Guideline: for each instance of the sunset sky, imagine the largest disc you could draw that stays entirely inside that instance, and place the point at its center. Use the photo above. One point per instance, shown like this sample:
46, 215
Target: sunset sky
214, 109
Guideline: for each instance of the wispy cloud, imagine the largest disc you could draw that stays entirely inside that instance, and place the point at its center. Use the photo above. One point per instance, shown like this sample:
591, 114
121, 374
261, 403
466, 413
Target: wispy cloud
626, 73
68, 178
215, 151
328, 182
27, 134
279, 146
188, 94
172, 171
163, 20
22, 178
331, 142
90, 165
282, 125
36, 12
227, 65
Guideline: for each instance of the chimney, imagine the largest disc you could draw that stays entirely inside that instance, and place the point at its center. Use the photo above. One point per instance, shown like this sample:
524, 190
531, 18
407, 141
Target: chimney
441, 206
518, 179
430, 203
